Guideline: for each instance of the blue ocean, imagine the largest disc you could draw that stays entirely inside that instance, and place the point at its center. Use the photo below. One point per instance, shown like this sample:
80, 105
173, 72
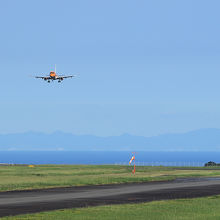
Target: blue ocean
108, 157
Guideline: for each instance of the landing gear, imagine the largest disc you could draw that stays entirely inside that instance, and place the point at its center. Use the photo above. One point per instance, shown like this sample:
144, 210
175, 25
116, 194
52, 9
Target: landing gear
59, 81
48, 81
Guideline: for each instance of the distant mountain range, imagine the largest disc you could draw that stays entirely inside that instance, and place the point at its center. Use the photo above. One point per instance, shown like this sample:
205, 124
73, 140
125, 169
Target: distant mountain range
198, 140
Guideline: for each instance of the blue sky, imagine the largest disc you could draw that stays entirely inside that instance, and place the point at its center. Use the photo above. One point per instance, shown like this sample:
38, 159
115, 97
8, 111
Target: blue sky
145, 67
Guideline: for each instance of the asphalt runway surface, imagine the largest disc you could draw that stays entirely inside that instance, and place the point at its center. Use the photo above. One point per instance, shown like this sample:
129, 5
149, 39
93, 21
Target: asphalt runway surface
30, 201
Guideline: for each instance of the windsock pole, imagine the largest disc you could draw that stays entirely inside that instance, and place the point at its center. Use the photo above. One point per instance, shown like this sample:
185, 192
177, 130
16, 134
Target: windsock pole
134, 166
134, 162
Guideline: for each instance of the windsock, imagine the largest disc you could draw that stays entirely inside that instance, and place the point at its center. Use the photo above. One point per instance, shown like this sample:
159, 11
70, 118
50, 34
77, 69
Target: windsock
133, 158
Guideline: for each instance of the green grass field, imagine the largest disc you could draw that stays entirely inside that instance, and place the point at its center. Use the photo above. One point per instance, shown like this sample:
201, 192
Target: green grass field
47, 176
181, 209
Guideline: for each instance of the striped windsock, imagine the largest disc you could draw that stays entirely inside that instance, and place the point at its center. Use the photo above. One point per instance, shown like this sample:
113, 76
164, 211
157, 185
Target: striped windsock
133, 158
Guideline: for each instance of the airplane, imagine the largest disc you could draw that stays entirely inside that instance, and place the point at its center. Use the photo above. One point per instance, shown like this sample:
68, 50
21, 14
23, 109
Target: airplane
53, 76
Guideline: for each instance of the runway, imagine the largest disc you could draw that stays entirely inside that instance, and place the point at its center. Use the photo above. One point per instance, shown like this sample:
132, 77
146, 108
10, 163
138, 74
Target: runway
20, 202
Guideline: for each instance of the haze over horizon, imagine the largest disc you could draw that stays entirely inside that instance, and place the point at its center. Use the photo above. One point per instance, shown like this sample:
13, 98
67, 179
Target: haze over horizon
145, 67
122, 134
197, 140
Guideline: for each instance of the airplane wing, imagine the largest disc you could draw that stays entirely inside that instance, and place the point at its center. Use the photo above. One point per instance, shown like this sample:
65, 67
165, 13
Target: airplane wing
65, 77
42, 77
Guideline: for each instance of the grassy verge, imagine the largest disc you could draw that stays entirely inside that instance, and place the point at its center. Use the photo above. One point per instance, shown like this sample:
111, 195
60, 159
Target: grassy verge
47, 176
181, 209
